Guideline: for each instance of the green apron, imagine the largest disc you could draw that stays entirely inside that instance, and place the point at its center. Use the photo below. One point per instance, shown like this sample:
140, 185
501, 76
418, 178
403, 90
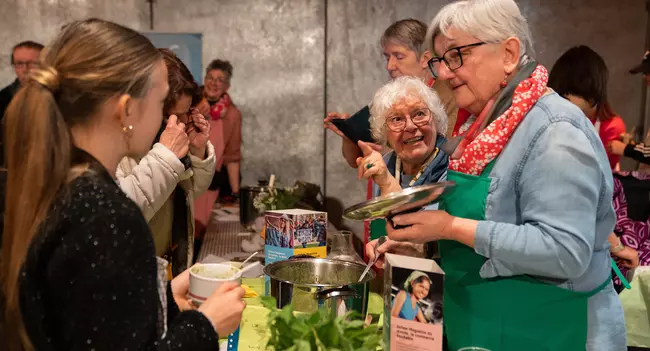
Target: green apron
502, 314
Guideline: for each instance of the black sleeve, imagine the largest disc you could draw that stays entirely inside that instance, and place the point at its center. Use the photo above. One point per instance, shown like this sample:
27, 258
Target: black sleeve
172, 307
635, 155
103, 288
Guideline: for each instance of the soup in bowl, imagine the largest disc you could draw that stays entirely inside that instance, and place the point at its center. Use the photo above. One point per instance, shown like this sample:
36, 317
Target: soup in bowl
205, 278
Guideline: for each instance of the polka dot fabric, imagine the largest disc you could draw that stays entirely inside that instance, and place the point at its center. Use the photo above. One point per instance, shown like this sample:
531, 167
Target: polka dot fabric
491, 141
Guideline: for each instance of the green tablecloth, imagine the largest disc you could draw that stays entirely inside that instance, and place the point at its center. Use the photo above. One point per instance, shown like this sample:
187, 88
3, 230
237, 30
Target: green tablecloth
636, 305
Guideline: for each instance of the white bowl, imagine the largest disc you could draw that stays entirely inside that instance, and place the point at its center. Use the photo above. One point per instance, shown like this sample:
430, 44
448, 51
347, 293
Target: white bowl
205, 278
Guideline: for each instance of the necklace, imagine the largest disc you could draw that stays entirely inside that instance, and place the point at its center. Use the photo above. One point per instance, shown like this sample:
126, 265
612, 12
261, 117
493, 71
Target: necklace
398, 167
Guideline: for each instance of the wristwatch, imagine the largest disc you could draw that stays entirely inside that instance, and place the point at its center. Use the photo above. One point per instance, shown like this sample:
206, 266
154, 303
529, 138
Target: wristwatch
618, 248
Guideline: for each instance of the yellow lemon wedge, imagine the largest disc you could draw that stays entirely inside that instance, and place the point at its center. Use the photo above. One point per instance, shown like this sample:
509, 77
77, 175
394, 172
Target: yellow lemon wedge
248, 291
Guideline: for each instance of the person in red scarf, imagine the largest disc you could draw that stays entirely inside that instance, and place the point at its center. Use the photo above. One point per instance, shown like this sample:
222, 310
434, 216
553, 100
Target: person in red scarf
225, 121
219, 106
523, 233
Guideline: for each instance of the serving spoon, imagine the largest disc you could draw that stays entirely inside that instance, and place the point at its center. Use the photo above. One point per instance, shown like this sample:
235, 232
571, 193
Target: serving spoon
371, 263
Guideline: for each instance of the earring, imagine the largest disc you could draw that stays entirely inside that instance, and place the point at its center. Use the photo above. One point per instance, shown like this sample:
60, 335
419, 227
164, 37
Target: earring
128, 133
504, 82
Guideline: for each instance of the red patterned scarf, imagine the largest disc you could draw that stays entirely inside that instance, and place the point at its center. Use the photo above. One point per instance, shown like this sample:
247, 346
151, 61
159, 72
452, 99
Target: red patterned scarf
218, 110
489, 143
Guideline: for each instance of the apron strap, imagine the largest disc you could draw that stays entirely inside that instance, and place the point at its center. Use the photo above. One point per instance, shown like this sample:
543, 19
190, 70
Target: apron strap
620, 275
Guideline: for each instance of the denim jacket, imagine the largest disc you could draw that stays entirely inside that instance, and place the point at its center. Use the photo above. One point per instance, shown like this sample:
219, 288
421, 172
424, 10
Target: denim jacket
549, 212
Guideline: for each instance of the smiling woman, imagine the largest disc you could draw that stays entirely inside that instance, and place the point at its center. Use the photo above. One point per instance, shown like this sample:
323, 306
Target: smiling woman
409, 118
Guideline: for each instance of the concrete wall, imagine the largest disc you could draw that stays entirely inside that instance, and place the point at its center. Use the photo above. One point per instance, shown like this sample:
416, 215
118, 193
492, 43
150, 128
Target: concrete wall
277, 48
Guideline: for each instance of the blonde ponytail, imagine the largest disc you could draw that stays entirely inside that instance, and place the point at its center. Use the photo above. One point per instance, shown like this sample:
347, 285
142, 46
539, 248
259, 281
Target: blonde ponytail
88, 63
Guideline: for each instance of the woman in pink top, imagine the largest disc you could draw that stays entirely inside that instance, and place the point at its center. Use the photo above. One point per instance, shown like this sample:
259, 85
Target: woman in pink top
580, 75
225, 121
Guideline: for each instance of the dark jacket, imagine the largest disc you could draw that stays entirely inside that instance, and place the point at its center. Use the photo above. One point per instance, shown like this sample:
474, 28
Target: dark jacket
6, 95
89, 278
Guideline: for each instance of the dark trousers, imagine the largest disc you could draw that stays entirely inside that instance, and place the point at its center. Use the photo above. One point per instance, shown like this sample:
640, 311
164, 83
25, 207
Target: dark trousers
221, 182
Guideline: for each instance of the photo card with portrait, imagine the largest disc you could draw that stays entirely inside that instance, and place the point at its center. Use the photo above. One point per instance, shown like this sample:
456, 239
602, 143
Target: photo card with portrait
413, 304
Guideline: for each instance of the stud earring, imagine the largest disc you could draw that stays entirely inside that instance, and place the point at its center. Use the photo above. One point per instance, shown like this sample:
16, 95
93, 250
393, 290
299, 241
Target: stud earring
129, 129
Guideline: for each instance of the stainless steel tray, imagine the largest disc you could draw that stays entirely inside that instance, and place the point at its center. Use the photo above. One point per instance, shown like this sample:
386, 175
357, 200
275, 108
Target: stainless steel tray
397, 202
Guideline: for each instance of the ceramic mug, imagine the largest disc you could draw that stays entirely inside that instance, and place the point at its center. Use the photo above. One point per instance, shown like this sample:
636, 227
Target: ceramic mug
205, 278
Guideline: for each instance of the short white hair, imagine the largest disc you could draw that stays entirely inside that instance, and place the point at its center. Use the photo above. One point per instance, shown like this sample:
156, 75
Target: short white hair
490, 21
396, 90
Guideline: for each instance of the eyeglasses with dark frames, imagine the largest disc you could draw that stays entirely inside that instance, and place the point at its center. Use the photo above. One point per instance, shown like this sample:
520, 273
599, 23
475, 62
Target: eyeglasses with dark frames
453, 59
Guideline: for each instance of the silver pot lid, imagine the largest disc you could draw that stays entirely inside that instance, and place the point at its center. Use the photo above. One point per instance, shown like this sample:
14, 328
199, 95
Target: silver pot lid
398, 202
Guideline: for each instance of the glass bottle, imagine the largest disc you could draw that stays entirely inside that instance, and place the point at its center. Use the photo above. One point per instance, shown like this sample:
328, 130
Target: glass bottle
342, 247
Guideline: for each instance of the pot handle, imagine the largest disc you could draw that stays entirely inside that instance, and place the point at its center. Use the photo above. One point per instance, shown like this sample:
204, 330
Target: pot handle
336, 292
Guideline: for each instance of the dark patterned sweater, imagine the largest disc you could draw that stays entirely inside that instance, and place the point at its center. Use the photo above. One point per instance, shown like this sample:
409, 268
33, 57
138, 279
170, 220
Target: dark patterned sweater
89, 279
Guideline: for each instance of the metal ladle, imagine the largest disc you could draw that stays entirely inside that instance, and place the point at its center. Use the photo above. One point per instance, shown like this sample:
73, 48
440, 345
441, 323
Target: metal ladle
381, 240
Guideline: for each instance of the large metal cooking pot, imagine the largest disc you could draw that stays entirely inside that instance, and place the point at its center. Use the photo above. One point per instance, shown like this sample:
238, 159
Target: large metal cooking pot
312, 283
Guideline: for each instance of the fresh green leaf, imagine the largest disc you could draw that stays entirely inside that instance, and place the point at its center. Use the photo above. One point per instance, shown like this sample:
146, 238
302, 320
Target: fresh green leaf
302, 345
318, 331
269, 302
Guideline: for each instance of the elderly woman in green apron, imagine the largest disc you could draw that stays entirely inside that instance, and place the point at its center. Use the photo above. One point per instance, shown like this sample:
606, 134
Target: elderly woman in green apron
523, 234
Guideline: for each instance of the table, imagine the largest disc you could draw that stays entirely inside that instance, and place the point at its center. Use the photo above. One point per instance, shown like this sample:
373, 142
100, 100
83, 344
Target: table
223, 238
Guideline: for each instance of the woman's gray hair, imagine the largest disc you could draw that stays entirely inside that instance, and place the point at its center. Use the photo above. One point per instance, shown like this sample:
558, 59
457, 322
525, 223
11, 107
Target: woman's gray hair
396, 90
491, 21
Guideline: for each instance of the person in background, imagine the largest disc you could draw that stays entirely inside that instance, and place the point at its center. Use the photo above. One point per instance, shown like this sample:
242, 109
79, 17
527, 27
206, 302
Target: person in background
408, 117
406, 55
523, 233
24, 57
580, 76
636, 151
218, 105
630, 241
79, 270
163, 186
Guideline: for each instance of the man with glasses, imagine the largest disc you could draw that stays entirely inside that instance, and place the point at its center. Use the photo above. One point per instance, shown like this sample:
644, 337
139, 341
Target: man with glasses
24, 57
406, 55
